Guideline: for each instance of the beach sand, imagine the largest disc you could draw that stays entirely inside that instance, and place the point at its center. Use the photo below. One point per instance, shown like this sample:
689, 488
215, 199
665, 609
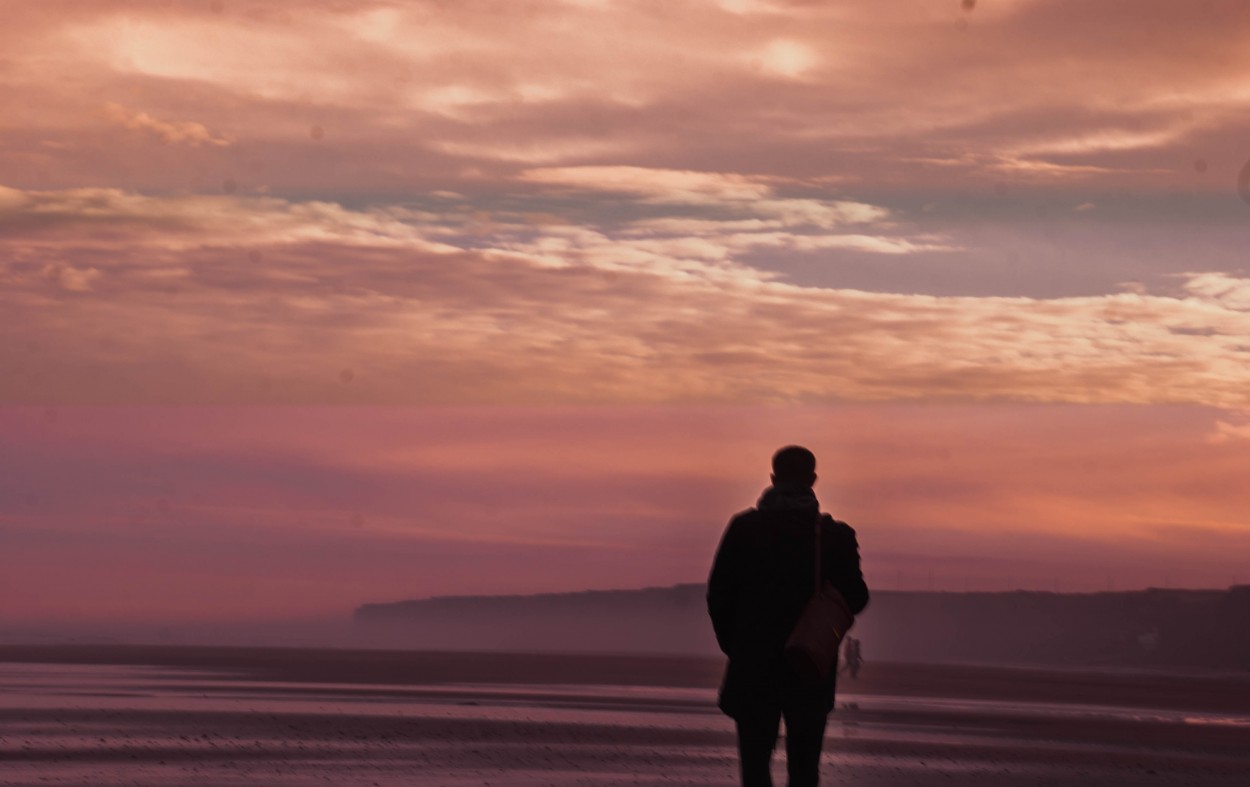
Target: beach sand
111, 715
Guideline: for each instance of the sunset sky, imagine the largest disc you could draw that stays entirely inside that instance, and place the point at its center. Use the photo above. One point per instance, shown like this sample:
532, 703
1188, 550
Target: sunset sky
309, 304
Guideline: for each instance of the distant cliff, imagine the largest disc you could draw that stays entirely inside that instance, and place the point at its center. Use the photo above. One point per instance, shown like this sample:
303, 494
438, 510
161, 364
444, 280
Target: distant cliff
1150, 628
651, 620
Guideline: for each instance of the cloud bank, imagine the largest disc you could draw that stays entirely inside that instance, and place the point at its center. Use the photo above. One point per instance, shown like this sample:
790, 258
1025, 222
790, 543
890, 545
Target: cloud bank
911, 95
118, 297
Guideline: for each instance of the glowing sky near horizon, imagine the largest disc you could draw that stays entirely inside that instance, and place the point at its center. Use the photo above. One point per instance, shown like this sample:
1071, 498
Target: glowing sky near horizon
303, 305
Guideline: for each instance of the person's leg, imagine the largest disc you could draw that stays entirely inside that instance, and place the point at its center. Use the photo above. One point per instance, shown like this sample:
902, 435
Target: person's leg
805, 735
757, 737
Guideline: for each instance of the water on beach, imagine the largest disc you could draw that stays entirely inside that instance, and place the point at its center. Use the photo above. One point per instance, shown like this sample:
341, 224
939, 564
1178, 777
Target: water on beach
121, 724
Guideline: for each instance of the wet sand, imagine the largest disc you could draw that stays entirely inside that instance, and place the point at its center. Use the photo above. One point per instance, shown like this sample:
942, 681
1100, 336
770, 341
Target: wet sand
207, 716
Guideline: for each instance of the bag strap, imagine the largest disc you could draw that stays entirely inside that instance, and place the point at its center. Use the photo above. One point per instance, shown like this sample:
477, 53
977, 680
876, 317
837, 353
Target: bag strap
816, 587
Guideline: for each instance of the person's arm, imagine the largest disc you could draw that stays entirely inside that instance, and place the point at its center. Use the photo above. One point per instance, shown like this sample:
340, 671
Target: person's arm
721, 593
842, 561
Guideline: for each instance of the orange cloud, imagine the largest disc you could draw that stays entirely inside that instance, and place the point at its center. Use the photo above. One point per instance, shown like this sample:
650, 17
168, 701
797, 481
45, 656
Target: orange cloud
863, 95
182, 132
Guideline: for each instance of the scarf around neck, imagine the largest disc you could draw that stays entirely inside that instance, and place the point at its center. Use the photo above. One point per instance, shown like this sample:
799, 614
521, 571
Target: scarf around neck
783, 497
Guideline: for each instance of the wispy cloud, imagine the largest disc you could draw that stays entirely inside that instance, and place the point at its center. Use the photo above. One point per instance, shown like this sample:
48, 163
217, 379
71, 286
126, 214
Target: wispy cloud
432, 91
178, 132
70, 278
753, 197
260, 299
1235, 427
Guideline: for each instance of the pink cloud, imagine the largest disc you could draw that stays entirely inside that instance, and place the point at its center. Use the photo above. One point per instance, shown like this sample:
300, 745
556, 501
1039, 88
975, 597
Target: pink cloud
424, 92
248, 299
177, 132
144, 512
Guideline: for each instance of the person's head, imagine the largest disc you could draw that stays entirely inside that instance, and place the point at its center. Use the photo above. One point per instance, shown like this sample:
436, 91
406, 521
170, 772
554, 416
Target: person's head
794, 465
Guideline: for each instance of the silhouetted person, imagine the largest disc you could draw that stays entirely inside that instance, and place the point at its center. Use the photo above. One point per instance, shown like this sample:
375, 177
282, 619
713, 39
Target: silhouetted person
854, 657
762, 578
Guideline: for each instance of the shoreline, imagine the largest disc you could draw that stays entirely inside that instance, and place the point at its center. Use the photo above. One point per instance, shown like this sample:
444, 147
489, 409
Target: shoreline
1215, 692
157, 716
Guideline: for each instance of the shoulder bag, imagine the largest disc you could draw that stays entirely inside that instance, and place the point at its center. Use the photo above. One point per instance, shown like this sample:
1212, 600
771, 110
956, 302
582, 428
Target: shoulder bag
811, 651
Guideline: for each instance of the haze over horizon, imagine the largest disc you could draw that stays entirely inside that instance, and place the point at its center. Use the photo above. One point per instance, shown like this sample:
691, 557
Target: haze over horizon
390, 299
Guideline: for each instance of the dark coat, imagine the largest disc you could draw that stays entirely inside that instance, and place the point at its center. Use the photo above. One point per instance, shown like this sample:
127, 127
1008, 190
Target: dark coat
762, 577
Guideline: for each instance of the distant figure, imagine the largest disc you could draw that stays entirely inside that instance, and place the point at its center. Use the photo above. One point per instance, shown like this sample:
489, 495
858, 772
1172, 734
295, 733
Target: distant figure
761, 579
854, 657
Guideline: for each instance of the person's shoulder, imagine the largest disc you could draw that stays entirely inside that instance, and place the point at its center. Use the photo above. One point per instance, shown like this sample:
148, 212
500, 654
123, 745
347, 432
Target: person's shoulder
838, 527
741, 526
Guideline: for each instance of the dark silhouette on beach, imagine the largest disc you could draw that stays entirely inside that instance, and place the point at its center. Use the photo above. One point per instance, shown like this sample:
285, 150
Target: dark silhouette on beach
761, 580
